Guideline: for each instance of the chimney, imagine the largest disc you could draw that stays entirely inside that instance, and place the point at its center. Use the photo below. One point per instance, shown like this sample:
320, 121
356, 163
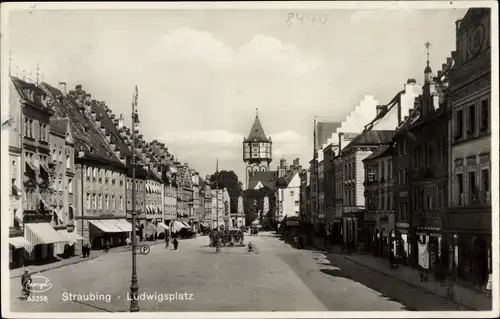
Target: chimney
411, 81
120, 121
62, 87
380, 109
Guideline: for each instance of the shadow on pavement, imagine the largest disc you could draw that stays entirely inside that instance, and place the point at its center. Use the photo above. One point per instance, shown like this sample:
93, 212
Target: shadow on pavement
379, 288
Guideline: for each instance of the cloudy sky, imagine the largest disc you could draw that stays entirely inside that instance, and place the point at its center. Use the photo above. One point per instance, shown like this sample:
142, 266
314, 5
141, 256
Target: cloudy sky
202, 74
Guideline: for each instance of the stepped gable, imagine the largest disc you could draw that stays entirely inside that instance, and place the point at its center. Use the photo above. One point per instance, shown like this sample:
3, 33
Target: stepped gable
257, 132
85, 135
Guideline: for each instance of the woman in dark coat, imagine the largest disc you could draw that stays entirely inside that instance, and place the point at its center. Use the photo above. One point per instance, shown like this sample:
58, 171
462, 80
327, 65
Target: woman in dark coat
176, 243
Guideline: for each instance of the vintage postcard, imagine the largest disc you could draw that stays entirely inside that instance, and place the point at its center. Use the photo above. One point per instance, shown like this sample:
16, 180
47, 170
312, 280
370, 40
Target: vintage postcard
250, 159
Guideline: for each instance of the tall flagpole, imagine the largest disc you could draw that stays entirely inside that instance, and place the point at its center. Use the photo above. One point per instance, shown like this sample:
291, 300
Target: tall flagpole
134, 286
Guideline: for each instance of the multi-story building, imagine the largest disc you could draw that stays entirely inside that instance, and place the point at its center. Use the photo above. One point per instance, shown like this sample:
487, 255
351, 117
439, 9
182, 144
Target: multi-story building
99, 180
354, 201
303, 212
207, 214
257, 151
427, 138
197, 209
288, 186
217, 208
170, 211
329, 188
468, 220
17, 178
379, 219
30, 107
401, 161
62, 165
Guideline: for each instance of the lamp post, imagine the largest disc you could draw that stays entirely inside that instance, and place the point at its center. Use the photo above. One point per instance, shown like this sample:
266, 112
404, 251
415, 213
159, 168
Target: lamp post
134, 286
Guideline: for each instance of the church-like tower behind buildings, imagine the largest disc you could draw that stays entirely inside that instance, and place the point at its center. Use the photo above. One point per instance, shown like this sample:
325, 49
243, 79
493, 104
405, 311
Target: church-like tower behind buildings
257, 150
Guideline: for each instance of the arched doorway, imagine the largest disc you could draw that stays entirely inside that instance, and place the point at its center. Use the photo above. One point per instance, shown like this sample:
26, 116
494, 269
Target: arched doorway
479, 261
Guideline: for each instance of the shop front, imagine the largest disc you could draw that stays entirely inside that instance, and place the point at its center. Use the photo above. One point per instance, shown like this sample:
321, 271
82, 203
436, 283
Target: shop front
114, 231
429, 242
403, 245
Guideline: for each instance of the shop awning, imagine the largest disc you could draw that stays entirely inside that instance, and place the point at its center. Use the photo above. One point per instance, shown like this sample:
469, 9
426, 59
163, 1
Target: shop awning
106, 226
162, 227
186, 224
30, 165
42, 233
177, 225
123, 224
19, 242
72, 237
44, 167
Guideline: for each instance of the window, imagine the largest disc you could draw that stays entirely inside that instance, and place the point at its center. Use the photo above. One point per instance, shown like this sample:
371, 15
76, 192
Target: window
106, 202
70, 185
61, 187
382, 203
68, 162
100, 201
88, 201
471, 123
402, 211
459, 124
485, 120
89, 172
121, 202
472, 187
297, 203
389, 170
26, 127
382, 170
460, 189
60, 158
429, 203
94, 201
485, 185
430, 156
54, 154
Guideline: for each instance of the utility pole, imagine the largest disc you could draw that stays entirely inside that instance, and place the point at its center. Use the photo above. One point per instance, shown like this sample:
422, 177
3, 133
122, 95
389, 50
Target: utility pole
134, 286
217, 191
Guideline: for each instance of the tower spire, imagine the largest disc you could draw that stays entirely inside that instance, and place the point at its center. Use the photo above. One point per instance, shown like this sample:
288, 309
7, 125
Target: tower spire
428, 70
256, 112
427, 46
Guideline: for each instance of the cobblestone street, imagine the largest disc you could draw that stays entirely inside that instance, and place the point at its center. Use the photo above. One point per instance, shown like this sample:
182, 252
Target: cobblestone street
280, 278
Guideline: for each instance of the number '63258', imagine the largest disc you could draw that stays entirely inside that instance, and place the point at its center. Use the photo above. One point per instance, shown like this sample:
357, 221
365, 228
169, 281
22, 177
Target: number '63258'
38, 298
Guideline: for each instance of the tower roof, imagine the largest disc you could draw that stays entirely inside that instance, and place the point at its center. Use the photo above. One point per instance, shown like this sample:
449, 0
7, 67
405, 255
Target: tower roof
257, 132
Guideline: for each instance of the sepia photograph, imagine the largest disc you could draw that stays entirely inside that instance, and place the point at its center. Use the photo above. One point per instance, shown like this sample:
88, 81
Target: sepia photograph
246, 160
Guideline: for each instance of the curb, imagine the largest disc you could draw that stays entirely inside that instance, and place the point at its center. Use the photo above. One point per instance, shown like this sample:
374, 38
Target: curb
79, 261
409, 283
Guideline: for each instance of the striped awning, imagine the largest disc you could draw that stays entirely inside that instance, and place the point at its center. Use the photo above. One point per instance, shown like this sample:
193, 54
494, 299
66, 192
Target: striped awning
106, 226
72, 237
123, 224
42, 233
19, 242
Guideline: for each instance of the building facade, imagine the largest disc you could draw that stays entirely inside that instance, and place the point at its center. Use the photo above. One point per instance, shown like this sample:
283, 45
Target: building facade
467, 222
379, 219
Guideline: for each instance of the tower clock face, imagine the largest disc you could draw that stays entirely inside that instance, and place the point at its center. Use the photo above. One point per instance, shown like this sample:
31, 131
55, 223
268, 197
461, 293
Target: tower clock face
476, 40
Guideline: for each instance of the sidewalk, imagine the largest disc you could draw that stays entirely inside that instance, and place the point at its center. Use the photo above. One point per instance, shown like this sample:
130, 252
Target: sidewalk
462, 295
17, 273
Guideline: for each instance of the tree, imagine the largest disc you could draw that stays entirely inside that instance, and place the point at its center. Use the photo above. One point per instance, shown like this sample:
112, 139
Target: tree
229, 180
253, 202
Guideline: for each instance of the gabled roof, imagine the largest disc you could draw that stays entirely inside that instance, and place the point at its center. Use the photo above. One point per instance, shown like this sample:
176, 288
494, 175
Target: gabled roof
85, 135
267, 179
257, 132
371, 138
382, 150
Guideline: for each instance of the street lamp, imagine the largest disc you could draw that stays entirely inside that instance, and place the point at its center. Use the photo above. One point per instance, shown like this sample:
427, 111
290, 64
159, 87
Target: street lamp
134, 286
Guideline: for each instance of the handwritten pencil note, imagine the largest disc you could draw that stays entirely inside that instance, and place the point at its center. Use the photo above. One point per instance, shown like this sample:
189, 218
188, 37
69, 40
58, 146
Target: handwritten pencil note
300, 18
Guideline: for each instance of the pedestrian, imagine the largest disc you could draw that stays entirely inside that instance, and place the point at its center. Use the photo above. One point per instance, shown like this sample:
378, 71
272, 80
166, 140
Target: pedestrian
106, 246
167, 242
26, 283
176, 243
